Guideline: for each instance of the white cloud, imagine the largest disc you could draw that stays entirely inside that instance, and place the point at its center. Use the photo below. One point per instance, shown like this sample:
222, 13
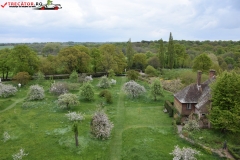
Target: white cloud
107, 20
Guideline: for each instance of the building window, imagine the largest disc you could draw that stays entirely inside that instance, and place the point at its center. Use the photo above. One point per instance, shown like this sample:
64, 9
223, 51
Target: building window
189, 106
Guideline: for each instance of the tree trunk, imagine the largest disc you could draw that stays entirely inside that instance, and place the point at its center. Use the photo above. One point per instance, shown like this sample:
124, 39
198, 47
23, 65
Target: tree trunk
76, 138
3, 74
7, 75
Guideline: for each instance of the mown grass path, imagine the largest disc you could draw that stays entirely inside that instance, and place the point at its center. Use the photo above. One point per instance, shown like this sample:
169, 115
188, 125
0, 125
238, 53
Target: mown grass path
13, 104
116, 143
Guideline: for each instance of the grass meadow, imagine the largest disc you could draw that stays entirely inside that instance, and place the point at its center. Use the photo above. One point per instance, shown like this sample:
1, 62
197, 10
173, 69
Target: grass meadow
142, 131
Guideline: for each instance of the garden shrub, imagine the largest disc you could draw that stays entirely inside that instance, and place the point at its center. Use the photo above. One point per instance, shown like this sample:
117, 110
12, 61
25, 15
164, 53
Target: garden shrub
133, 89
7, 90
101, 126
107, 95
113, 81
74, 116
36, 92
184, 153
73, 76
156, 89
22, 77
59, 88
40, 77
191, 125
150, 71
88, 78
87, 91
104, 82
132, 75
111, 73
67, 99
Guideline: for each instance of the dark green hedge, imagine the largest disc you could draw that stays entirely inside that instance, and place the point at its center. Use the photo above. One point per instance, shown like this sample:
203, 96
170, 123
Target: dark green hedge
170, 108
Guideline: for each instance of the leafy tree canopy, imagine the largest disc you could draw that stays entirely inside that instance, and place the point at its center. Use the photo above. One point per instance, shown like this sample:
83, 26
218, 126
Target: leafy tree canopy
225, 110
202, 62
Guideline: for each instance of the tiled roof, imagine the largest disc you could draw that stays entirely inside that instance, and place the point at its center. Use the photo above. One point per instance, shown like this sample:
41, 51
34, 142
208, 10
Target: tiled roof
195, 94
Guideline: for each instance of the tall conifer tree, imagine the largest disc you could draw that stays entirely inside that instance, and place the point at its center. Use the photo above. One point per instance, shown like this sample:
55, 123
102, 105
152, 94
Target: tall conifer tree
170, 52
129, 54
161, 54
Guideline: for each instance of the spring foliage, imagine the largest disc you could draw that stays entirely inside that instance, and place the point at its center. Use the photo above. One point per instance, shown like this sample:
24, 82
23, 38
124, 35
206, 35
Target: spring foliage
151, 71
184, 153
73, 76
66, 100
133, 89
107, 95
101, 126
156, 89
225, 113
22, 77
36, 92
87, 91
132, 75
7, 90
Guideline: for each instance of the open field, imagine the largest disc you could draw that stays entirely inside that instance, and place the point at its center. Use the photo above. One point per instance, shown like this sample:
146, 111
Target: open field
141, 129
10, 47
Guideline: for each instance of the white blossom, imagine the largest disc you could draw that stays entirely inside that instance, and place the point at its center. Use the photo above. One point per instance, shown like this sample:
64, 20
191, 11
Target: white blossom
58, 88
101, 126
104, 82
36, 92
113, 81
7, 90
88, 78
191, 125
133, 89
67, 99
184, 153
6, 136
19, 155
74, 116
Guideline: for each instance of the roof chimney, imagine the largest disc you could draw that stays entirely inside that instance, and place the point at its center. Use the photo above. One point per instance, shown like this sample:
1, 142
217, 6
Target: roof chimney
212, 73
199, 76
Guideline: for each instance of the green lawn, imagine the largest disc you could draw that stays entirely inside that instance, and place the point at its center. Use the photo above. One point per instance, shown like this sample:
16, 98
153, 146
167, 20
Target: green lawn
141, 129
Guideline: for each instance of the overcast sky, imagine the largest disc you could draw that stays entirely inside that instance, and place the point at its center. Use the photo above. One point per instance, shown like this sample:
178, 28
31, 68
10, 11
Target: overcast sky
119, 20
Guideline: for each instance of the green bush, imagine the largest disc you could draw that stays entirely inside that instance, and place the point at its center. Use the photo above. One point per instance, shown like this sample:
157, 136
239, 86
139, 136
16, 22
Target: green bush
151, 71
104, 82
87, 91
107, 95
22, 77
170, 108
111, 73
132, 75
73, 76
